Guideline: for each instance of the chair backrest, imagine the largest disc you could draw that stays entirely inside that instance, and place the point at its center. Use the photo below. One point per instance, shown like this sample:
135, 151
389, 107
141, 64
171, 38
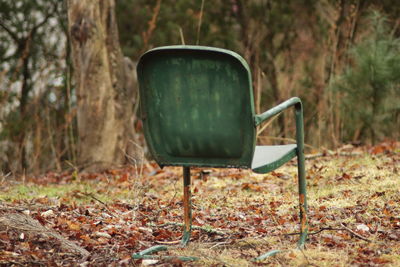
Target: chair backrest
197, 106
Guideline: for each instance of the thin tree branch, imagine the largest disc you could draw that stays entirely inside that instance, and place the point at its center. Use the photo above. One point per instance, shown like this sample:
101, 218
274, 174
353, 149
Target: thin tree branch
200, 21
317, 232
45, 19
12, 34
343, 228
354, 233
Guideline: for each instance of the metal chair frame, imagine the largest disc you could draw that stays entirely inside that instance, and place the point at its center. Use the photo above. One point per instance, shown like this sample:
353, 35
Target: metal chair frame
260, 159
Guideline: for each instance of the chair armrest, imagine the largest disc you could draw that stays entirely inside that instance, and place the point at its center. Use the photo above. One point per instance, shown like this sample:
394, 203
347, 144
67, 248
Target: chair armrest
294, 101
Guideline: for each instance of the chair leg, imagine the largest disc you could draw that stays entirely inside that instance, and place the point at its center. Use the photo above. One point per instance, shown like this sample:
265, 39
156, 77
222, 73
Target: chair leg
146, 254
303, 207
302, 198
187, 207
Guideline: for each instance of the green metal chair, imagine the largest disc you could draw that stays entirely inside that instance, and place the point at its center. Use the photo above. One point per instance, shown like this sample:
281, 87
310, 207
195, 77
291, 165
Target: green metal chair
197, 111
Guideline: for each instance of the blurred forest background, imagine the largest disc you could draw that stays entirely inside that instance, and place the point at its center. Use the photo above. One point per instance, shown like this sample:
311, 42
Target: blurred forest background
342, 58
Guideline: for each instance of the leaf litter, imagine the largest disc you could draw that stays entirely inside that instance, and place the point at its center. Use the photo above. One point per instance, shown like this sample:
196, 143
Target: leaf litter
101, 219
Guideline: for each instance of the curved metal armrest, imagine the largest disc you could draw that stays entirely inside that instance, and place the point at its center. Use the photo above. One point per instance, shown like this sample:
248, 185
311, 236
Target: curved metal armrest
294, 101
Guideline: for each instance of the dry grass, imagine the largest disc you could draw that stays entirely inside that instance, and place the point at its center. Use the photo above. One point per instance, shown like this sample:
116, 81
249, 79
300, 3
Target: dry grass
255, 213
353, 191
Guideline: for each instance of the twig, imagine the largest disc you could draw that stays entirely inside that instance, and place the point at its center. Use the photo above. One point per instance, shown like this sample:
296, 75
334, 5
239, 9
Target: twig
316, 232
267, 124
200, 21
220, 243
354, 233
152, 24
4, 176
331, 153
343, 228
182, 37
101, 202
168, 242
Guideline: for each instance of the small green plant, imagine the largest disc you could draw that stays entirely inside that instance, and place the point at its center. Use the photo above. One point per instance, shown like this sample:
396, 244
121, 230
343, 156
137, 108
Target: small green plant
370, 87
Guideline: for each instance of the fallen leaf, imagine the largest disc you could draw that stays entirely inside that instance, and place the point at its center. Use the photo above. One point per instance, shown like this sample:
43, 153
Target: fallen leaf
149, 262
48, 213
73, 226
362, 228
102, 234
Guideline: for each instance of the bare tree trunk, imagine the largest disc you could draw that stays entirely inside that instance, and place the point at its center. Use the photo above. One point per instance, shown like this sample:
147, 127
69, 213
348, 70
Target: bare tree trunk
105, 96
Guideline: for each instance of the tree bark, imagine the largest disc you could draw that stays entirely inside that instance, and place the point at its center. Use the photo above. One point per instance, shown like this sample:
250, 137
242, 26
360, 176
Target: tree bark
105, 95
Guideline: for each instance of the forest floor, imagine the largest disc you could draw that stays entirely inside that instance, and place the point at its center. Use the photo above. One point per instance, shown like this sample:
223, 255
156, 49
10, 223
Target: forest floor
101, 219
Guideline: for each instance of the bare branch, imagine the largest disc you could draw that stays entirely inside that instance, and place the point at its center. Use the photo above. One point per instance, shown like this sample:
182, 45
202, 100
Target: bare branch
12, 34
45, 19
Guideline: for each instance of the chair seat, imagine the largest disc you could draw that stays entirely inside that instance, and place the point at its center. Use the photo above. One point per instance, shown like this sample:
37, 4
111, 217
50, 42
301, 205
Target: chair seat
268, 158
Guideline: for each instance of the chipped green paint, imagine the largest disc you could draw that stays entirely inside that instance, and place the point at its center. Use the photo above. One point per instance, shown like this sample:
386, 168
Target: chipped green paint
294, 101
197, 110
197, 107
151, 250
268, 254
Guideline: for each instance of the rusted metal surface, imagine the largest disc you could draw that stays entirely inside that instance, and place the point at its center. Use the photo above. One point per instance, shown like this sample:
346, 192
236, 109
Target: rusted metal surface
303, 221
303, 213
187, 206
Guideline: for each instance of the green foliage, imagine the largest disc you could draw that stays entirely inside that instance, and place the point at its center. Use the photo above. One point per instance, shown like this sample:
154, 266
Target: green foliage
370, 87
